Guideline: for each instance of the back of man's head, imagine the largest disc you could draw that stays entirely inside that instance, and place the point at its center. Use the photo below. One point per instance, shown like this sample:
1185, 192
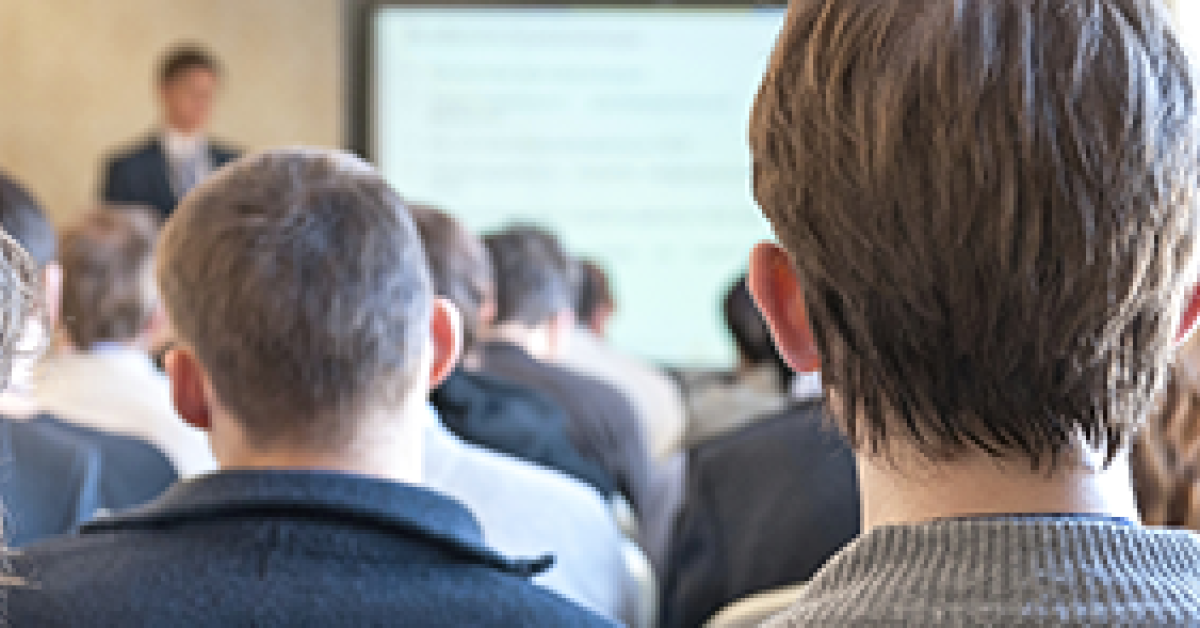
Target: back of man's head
25, 221
991, 207
298, 280
594, 299
534, 280
749, 330
108, 280
459, 266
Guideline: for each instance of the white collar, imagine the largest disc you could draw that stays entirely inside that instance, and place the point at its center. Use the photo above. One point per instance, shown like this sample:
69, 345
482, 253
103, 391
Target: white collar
807, 386
181, 144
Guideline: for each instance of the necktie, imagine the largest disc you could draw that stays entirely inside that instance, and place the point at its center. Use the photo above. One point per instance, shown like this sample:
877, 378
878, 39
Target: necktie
188, 172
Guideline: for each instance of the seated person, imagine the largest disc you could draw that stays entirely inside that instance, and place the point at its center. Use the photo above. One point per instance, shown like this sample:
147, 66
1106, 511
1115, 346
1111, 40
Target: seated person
767, 505
529, 510
58, 475
479, 408
310, 369
758, 388
534, 319
110, 312
655, 397
987, 221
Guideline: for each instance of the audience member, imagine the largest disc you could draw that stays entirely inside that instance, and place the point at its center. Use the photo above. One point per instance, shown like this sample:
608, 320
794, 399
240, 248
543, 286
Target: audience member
534, 318
110, 313
766, 506
987, 222
528, 510
59, 474
760, 385
480, 408
159, 170
656, 398
1166, 460
1166, 452
310, 371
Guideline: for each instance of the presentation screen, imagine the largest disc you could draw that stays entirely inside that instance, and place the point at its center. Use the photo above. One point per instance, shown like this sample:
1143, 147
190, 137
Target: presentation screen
621, 129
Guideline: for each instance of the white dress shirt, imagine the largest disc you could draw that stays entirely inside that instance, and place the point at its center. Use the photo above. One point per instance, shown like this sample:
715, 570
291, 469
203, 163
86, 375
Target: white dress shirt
527, 511
118, 389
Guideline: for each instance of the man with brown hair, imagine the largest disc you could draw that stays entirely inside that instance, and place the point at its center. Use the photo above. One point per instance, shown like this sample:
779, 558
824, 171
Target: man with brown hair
986, 213
309, 338
159, 170
111, 314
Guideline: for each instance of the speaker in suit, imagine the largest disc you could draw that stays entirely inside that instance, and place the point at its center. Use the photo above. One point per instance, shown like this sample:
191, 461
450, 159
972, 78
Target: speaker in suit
145, 175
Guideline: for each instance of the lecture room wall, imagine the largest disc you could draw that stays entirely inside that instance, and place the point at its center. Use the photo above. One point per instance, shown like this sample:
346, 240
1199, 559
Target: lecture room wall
76, 80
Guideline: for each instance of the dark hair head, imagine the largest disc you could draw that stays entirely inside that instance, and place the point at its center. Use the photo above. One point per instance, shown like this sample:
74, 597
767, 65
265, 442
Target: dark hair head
186, 57
992, 208
749, 329
22, 217
459, 266
534, 278
108, 280
593, 294
299, 280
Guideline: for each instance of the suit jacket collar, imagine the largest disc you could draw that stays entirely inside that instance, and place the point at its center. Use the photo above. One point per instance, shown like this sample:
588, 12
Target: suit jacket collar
404, 509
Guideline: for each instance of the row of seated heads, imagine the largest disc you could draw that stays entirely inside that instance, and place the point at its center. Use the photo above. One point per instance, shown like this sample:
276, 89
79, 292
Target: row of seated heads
980, 294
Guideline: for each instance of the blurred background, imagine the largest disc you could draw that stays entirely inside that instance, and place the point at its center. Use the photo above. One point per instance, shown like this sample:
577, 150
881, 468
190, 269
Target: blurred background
621, 127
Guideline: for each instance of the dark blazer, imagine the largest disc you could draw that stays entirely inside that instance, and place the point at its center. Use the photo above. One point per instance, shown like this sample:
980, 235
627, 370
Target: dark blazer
141, 175
285, 548
766, 507
601, 422
133, 471
49, 481
502, 416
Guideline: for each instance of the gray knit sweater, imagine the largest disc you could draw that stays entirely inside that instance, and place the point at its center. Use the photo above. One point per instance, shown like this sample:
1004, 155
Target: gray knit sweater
1014, 572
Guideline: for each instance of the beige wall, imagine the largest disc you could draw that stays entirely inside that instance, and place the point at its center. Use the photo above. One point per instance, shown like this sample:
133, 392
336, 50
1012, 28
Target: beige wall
76, 80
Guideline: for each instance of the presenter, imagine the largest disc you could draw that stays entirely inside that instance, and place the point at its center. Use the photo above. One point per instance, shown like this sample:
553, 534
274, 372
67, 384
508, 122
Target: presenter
160, 169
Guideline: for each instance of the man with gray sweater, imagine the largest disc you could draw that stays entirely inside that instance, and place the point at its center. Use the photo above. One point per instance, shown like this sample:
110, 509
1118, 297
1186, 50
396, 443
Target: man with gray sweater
987, 220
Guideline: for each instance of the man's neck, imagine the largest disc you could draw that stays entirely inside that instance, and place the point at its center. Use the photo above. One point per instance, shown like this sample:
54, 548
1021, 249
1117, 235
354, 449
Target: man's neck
980, 486
388, 449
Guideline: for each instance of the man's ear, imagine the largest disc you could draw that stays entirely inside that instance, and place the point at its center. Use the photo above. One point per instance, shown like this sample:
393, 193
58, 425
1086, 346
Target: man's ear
188, 389
776, 289
1191, 314
446, 331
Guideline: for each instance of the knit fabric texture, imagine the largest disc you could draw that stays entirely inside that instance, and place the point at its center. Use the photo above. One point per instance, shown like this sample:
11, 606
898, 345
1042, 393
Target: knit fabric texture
1007, 572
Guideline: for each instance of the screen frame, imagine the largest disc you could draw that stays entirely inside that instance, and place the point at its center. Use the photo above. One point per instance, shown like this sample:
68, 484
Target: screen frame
360, 33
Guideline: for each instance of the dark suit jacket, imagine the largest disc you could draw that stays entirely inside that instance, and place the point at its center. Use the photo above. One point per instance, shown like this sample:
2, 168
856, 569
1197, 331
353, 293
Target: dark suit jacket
766, 507
49, 481
134, 472
602, 423
285, 548
504, 417
141, 175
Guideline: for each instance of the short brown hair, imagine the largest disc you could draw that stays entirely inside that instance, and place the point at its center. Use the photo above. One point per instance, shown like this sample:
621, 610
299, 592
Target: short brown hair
593, 292
108, 280
534, 276
299, 280
186, 57
992, 208
458, 264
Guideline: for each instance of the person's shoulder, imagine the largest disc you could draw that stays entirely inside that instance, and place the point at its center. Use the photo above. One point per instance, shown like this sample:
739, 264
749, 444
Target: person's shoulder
510, 396
133, 151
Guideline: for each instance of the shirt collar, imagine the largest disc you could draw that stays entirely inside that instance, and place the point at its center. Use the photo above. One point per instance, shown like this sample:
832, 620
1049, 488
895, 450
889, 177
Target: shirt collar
807, 386
403, 509
179, 145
